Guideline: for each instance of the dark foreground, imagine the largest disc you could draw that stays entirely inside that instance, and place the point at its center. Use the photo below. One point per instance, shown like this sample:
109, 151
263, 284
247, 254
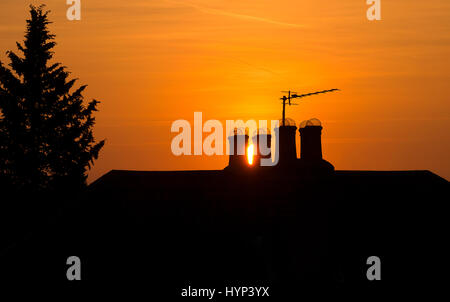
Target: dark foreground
162, 232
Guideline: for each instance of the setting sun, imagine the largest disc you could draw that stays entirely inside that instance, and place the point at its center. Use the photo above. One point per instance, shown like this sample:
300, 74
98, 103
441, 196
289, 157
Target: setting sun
250, 154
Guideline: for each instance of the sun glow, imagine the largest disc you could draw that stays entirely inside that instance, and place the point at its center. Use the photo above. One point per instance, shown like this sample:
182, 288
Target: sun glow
250, 154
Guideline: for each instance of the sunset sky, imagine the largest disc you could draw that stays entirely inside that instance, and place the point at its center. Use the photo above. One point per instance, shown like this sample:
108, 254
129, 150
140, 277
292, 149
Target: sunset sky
151, 62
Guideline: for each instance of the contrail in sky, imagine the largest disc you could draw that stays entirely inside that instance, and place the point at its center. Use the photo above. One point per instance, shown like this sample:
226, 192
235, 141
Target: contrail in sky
233, 15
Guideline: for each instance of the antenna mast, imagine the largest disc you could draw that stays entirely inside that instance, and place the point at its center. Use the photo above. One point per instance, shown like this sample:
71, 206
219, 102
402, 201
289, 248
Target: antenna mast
294, 95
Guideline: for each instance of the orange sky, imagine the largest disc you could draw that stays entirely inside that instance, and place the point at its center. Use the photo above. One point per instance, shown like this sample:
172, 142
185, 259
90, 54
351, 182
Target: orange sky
152, 62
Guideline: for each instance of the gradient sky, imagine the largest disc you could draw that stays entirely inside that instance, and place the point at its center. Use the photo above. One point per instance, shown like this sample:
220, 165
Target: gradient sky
152, 62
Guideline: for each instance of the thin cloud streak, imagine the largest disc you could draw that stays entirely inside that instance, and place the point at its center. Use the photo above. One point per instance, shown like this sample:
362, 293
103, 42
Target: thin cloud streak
219, 12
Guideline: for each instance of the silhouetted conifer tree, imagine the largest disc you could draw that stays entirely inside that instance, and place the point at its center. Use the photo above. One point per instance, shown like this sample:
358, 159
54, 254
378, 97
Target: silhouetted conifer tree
45, 128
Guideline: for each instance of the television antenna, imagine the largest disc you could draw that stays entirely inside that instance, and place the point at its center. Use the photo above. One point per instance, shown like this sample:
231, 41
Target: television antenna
294, 95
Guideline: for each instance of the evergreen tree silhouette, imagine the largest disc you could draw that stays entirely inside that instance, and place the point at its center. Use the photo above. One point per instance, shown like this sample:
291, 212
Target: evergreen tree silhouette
46, 134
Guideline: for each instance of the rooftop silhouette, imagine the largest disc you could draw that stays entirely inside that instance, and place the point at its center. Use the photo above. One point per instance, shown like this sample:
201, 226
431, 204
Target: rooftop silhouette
297, 223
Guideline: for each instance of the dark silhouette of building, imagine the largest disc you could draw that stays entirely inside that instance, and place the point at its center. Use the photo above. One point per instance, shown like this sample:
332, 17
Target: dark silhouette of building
310, 161
238, 144
311, 141
295, 226
287, 148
